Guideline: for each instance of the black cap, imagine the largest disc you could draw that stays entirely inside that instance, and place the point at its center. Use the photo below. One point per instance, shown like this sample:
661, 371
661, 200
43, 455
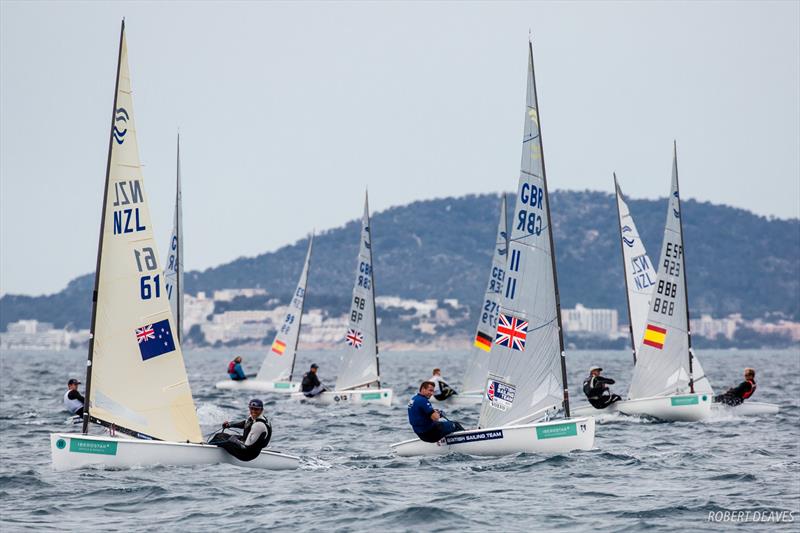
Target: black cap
256, 403
314, 365
73, 381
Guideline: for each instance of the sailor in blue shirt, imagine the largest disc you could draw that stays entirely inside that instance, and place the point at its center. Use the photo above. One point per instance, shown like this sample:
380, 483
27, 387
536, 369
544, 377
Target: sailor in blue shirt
428, 423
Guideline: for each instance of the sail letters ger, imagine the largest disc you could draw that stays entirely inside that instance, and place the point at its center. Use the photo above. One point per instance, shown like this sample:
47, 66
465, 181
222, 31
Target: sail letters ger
528, 355
142, 389
360, 359
478, 369
279, 361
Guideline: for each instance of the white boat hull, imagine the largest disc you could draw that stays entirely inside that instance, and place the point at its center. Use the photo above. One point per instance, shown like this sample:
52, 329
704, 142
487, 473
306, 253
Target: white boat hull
284, 387
745, 409
678, 408
349, 397
589, 410
559, 436
75, 450
467, 398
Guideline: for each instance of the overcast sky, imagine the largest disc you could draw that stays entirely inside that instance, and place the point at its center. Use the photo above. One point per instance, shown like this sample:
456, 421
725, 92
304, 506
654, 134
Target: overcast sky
288, 111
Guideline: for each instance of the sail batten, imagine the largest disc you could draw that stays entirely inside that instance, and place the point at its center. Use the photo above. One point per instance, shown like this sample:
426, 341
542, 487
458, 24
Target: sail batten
136, 377
528, 348
359, 365
278, 364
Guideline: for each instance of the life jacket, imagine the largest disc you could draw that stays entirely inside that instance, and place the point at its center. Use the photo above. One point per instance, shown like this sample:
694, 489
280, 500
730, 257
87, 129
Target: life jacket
232, 367
749, 393
71, 405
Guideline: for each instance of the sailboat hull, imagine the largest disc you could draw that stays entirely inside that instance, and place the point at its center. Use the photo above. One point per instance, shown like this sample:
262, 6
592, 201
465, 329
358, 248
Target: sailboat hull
349, 397
589, 410
679, 408
280, 387
744, 409
460, 399
559, 436
71, 451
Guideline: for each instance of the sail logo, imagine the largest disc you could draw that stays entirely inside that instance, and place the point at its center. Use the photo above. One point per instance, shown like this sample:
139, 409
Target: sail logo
675, 211
628, 242
504, 249
500, 395
354, 338
511, 332
120, 125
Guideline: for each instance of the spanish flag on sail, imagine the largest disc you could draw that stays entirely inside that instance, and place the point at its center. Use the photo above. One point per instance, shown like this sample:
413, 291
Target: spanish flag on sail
278, 347
654, 336
483, 341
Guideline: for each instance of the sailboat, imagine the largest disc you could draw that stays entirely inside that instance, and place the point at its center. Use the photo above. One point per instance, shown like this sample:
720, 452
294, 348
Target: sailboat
359, 380
526, 385
136, 382
173, 271
277, 370
477, 369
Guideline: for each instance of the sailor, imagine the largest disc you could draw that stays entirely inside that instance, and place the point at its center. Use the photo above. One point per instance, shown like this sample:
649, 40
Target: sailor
311, 385
74, 400
442, 391
428, 423
255, 437
235, 370
744, 390
595, 387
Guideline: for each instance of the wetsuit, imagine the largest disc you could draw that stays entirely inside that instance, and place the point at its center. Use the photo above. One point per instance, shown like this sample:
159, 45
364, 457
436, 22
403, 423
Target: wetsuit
428, 430
256, 436
311, 386
443, 390
235, 371
73, 402
596, 390
738, 394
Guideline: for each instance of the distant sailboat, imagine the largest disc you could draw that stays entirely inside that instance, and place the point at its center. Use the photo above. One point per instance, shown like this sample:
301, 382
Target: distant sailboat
527, 381
277, 370
173, 272
136, 383
359, 380
478, 367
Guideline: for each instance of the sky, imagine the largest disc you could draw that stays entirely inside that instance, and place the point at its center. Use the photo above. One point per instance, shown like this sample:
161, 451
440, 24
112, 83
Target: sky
288, 111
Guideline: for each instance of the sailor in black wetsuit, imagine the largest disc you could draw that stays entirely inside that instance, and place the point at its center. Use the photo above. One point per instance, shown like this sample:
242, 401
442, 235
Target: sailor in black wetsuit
311, 385
744, 390
73, 399
595, 387
256, 435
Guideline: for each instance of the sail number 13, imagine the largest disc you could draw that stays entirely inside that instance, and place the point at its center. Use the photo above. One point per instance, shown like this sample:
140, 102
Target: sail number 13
146, 262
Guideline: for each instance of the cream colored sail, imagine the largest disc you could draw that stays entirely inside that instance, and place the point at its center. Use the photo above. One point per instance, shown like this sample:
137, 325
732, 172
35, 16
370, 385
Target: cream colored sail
137, 379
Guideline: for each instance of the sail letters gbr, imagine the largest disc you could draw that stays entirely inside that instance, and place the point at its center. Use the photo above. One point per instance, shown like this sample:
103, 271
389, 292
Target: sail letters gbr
528, 220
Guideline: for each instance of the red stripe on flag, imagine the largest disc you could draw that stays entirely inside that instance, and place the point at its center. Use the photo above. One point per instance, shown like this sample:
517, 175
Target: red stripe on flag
654, 344
656, 328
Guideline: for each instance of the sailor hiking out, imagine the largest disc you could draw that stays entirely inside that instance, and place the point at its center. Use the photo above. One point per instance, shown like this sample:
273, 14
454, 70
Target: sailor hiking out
73, 399
311, 385
595, 387
255, 436
235, 370
428, 423
744, 390
442, 391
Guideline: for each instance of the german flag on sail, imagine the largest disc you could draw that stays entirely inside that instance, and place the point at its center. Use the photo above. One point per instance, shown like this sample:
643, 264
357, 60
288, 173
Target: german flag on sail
654, 336
278, 347
483, 341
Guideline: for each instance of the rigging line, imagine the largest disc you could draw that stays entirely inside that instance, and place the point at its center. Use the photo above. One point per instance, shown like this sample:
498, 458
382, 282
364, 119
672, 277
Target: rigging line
519, 239
530, 173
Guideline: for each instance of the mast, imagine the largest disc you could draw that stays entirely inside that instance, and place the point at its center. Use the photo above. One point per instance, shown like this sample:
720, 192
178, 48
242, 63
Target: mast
552, 247
100, 239
179, 254
302, 306
683, 257
625, 271
374, 311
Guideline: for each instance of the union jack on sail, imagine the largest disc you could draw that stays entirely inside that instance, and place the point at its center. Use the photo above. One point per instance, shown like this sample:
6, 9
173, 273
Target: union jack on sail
354, 338
511, 332
145, 333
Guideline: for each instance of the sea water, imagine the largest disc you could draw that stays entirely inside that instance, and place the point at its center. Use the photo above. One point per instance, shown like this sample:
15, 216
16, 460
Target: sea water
640, 475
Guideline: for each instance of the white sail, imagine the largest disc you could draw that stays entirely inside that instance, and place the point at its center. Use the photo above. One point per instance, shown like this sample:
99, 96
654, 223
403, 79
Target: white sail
663, 361
527, 354
640, 276
278, 365
173, 271
360, 359
478, 369
136, 379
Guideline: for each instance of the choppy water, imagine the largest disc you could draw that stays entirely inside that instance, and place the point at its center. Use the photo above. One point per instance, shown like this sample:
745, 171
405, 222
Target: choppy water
641, 475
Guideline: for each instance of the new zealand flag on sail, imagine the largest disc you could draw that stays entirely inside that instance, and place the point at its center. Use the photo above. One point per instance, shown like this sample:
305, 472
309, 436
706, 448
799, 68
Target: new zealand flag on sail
155, 339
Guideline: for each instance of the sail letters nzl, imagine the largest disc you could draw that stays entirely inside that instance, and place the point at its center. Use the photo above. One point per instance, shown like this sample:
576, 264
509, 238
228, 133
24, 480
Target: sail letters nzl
641, 277
126, 220
530, 221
